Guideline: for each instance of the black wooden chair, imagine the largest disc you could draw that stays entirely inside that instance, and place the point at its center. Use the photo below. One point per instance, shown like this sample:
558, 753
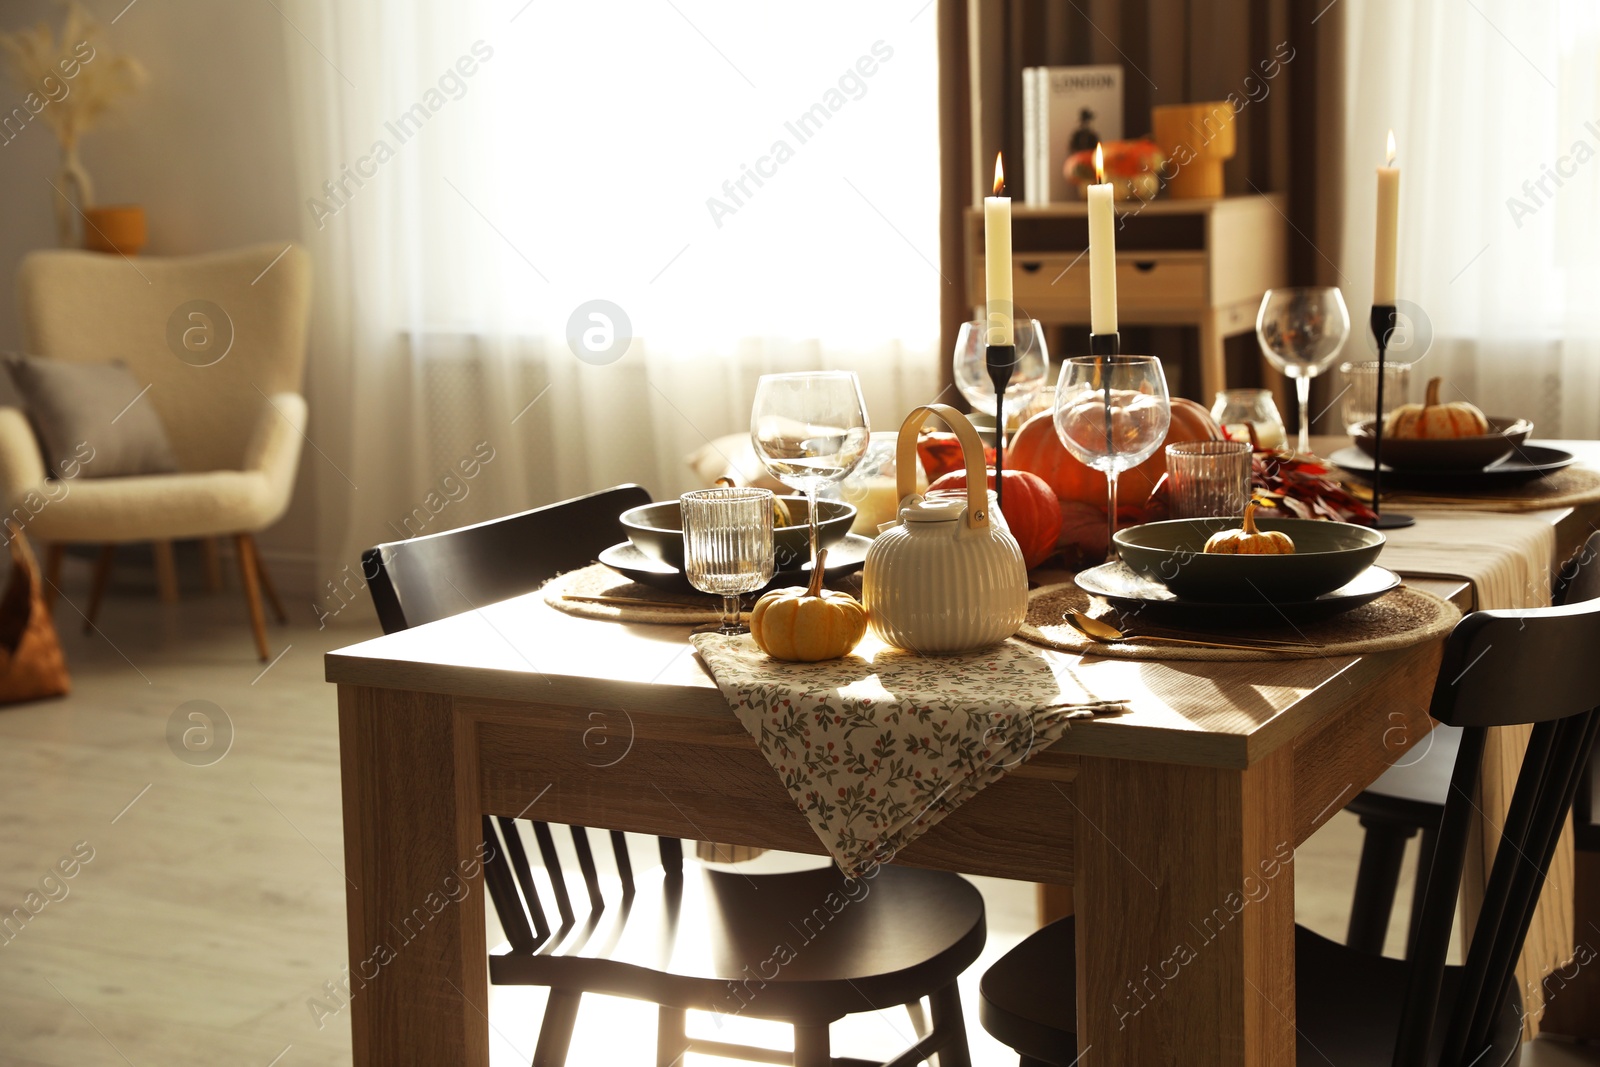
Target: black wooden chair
805, 948
1409, 799
1356, 1008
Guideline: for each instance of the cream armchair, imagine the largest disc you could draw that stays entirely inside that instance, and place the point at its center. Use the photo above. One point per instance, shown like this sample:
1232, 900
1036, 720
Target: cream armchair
235, 425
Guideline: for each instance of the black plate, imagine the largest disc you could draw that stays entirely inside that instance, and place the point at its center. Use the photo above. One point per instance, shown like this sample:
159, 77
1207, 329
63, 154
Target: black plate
844, 558
1527, 463
1129, 592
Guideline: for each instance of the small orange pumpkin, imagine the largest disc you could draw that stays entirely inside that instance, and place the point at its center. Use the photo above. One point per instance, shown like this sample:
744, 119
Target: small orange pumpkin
810, 624
1432, 419
1250, 540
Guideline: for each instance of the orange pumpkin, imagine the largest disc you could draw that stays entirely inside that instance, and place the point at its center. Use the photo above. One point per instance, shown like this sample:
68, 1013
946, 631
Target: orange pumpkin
1432, 419
1030, 508
1250, 539
1082, 490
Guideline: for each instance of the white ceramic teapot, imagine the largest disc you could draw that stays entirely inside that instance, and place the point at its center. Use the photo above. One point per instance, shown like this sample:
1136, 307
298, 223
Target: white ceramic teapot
949, 577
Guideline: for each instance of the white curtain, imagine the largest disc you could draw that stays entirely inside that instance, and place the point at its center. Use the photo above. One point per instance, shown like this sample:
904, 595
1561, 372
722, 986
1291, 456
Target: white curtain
753, 186
1495, 105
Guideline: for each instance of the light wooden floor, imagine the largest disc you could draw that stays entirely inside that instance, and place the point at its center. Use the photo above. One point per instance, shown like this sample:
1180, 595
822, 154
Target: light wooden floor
212, 911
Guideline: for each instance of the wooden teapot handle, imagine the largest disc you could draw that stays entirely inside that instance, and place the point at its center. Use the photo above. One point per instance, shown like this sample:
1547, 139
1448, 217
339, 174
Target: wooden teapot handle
971, 451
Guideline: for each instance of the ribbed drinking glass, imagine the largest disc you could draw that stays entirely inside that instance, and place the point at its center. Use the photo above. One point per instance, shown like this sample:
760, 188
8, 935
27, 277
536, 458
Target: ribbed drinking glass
727, 546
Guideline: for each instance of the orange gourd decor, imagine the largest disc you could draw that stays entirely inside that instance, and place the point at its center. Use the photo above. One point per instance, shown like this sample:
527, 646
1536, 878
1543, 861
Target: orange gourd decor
1030, 510
1432, 419
810, 624
1082, 490
1249, 539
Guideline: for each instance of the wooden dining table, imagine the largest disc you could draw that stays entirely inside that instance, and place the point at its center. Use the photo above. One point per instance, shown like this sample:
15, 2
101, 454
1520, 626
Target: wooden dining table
1175, 823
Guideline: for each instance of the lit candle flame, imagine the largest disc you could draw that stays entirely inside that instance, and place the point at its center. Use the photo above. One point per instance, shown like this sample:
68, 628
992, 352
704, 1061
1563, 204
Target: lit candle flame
1099, 164
1390, 161
999, 175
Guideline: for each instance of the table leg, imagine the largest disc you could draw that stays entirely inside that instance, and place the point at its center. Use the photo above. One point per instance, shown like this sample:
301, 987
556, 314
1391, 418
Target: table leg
1185, 902
412, 831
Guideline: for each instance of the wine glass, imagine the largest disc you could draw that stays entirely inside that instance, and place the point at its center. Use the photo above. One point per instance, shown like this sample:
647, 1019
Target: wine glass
1029, 374
1112, 413
810, 430
727, 546
1301, 331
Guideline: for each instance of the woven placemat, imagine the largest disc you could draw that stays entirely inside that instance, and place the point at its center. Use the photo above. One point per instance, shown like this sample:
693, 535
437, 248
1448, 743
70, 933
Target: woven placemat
1564, 488
1397, 619
661, 606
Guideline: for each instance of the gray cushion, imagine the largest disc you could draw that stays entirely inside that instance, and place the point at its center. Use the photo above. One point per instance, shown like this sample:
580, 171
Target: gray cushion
98, 405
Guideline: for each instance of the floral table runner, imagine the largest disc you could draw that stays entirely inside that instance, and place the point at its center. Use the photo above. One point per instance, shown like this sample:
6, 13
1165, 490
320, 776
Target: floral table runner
878, 747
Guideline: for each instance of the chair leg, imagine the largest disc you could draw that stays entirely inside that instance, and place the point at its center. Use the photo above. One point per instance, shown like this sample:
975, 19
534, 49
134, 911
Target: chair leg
1430, 838
947, 1019
211, 564
555, 1033
811, 1047
166, 571
52, 572
919, 1018
97, 591
266, 582
1377, 879
252, 595
672, 1036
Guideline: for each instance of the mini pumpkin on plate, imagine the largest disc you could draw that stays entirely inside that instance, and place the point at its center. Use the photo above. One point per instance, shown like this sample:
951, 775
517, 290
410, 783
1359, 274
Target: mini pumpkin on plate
1250, 540
1431, 419
810, 624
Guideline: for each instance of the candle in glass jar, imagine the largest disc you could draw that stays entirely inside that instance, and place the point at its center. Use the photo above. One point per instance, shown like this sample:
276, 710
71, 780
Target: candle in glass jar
997, 261
1383, 272
1102, 251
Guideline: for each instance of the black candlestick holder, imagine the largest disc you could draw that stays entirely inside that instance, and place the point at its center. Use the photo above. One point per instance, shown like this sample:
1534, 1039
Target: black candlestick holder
1383, 324
1001, 360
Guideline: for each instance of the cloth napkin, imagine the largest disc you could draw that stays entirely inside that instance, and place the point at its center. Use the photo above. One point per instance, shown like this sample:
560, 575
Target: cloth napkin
1508, 558
878, 747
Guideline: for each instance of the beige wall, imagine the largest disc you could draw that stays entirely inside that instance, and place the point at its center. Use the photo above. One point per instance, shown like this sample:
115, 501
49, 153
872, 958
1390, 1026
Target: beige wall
205, 148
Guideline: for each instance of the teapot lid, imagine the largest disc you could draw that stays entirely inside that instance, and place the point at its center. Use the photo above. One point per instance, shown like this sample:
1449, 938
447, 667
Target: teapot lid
942, 505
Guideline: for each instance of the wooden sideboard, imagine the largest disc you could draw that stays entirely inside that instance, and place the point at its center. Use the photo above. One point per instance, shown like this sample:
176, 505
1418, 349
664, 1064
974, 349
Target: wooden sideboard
1200, 263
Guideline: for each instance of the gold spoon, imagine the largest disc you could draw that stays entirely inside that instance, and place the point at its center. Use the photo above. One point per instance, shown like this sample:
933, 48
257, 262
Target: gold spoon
1103, 632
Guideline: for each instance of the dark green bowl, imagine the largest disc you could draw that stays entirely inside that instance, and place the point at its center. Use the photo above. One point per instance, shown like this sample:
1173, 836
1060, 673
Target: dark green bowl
657, 531
1326, 556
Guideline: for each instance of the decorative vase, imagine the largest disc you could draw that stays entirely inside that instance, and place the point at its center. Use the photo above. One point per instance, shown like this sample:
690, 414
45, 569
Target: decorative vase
73, 191
114, 228
1197, 140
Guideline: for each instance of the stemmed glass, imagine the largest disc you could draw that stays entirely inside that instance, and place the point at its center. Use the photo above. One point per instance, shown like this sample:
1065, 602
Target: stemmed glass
1301, 331
810, 430
1029, 374
1112, 413
727, 546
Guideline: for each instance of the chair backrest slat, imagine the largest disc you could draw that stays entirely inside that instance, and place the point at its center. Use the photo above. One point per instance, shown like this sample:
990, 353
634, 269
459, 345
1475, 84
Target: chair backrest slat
672, 856
1432, 943
503, 892
1572, 748
552, 867
530, 889
1502, 885
591, 877
619, 850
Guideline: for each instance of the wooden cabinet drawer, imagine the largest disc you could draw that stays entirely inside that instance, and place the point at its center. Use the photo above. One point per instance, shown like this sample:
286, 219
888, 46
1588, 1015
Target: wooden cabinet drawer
1056, 285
